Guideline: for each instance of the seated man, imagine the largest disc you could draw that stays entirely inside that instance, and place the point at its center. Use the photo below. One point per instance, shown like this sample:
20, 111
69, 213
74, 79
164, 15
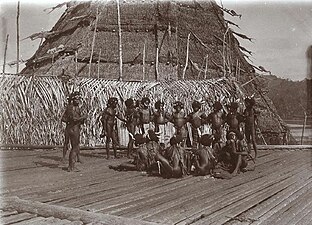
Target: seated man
140, 159
234, 156
145, 159
172, 164
203, 158
153, 149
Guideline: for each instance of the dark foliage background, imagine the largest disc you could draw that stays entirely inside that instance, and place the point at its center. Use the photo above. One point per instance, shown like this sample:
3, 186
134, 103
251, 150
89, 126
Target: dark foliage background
289, 97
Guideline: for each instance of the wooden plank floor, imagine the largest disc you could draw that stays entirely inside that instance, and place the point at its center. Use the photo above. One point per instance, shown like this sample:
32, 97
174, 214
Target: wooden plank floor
278, 191
22, 218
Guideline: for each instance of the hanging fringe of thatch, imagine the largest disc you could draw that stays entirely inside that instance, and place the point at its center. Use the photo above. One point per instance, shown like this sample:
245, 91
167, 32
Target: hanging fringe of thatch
32, 106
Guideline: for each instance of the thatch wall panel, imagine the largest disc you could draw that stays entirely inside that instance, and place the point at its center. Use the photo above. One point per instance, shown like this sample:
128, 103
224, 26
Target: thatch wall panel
32, 106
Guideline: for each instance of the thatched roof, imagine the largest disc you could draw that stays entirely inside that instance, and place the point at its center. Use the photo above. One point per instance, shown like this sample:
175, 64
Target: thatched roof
146, 25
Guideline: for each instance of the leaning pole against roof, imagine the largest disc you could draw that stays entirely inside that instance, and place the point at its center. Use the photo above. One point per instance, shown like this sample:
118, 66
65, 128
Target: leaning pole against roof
166, 40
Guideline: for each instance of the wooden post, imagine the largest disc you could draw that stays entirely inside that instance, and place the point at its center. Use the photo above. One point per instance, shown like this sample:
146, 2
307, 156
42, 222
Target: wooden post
156, 51
52, 62
156, 40
98, 72
119, 41
5, 52
76, 63
206, 67
144, 49
93, 40
177, 49
236, 70
187, 55
17, 36
304, 125
223, 52
156, 64
238, 74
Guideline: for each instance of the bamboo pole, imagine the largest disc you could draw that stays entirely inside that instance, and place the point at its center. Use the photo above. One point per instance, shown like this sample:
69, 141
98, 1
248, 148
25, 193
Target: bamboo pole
187, 55
304, 125
156, 64
223, 52
93, 40
17, 36
52, 62
156, 51
177, 49
119, 41
76, 63
248, 81
169, 44
144, 49
5, 53
236, 70
98, 72
229, 54
206, 67
156, 41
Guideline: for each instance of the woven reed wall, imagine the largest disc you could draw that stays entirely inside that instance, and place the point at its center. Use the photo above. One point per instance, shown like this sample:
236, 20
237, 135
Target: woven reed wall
32, 106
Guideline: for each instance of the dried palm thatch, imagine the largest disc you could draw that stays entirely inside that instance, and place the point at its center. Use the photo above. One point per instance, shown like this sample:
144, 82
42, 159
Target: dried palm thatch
32, 106
146, 25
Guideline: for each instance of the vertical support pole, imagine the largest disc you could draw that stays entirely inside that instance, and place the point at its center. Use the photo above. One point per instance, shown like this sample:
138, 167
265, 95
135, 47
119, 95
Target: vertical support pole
98, 72
17, 36
156, 41
119, 41
156, 51
206, 67
236, 70
177, 49
93, 40
76, 63
304, 125
144, 52
187, 55
52, 63
156, 64
5, 53
224, 53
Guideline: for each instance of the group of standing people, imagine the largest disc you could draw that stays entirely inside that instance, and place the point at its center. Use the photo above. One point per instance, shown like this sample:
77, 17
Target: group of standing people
147, 131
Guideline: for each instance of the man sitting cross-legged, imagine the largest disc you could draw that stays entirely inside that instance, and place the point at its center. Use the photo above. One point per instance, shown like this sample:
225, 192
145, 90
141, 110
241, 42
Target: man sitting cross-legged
172, 163
140, 162
234, 156
203, 158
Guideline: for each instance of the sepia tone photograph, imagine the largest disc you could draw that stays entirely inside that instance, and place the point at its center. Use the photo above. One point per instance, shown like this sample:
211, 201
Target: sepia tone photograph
137, 112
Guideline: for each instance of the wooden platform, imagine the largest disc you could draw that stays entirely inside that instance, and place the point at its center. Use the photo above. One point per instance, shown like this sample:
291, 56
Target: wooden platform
277, 192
